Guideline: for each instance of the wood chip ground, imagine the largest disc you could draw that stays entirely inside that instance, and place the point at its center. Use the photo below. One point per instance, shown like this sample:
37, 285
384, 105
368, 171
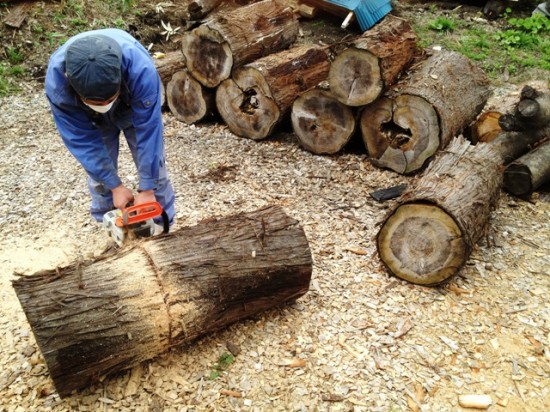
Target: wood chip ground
359, 340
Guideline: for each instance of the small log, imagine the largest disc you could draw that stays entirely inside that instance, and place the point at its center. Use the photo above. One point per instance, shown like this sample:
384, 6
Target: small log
531, 112
430, 233
96, 318
321, 123
257, 96
225, 42
486, 128
526, 174
420, 115
188, 100
168, 63
197, 9
475, 401
373, 62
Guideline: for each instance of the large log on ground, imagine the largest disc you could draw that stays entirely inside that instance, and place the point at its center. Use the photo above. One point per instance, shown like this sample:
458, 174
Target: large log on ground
430, 233
188, 100
526, 174
373, 61
222, 43
96, 318
420, 115
258, 95
321, 123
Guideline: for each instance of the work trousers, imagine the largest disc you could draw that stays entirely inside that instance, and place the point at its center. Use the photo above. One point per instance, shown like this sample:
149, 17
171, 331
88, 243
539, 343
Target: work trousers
102, 198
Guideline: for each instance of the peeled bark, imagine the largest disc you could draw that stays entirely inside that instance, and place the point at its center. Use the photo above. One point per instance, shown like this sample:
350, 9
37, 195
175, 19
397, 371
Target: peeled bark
429, 235
96, 318
321, 123
373, 62
225, 42
526, 174
421, 114
257, 96
188, 100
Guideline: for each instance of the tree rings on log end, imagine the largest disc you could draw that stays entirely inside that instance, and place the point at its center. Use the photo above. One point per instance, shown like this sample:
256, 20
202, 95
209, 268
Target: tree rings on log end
188, 100
246, 104
401, 133
422, 244
207, 56
322, 124
355, 77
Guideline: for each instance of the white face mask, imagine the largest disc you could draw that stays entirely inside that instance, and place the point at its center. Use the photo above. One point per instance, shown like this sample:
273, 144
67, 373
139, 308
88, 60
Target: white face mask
101, 109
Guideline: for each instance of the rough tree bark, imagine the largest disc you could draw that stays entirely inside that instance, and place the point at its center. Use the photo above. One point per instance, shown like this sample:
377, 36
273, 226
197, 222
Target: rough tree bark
525, 175
100, 317
429, 235
224, 42
321, 123
188, 100
373, 62
420, 114
257, 96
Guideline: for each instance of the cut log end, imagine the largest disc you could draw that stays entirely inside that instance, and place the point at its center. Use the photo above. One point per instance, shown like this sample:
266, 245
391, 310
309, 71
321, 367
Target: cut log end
355, 77
422, 244
246, 104
208, 57
517, 180
321, 123
187, 99
400, 134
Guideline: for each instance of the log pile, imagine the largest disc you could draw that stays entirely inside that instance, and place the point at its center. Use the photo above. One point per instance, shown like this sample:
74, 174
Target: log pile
96, 318
430, 233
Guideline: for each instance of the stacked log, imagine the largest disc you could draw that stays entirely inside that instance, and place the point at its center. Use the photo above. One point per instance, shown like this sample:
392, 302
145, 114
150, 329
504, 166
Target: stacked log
373, 62
526, 174
324, 121
223, 43
188, 100
419, 115
96, 318
258, 95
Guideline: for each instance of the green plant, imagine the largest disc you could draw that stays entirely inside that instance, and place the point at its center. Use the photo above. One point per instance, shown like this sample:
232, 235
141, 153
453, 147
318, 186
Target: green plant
224, 361
14, 55
442, 24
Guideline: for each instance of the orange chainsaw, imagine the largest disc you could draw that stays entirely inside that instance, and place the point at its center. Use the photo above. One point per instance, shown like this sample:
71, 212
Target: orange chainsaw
133, 222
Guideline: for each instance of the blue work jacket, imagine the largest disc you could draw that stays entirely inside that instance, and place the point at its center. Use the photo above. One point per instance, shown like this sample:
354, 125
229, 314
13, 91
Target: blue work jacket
139, 105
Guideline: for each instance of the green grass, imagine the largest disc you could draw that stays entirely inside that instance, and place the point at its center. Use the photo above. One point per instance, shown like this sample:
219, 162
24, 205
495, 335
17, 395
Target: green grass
224, 362
522, 45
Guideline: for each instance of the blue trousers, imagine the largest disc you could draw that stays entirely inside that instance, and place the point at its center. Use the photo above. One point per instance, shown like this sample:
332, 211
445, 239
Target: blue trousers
102, 198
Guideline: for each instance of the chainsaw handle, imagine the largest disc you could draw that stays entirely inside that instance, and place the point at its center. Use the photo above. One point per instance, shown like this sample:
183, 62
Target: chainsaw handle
139, 213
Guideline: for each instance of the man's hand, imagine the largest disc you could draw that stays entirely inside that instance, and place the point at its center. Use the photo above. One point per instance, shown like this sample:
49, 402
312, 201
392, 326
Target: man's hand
145, 196
122, 196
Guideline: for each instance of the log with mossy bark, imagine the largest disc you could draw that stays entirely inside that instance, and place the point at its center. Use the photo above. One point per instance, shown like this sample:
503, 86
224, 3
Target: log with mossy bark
419, 115
373, 61
429, 235
96, 318
225, 42
260, 94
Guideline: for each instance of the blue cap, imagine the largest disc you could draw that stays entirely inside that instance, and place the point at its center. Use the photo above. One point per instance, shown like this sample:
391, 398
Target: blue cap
93, 66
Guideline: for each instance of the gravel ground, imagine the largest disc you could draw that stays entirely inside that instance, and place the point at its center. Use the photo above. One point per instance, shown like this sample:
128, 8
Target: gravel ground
359, 340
